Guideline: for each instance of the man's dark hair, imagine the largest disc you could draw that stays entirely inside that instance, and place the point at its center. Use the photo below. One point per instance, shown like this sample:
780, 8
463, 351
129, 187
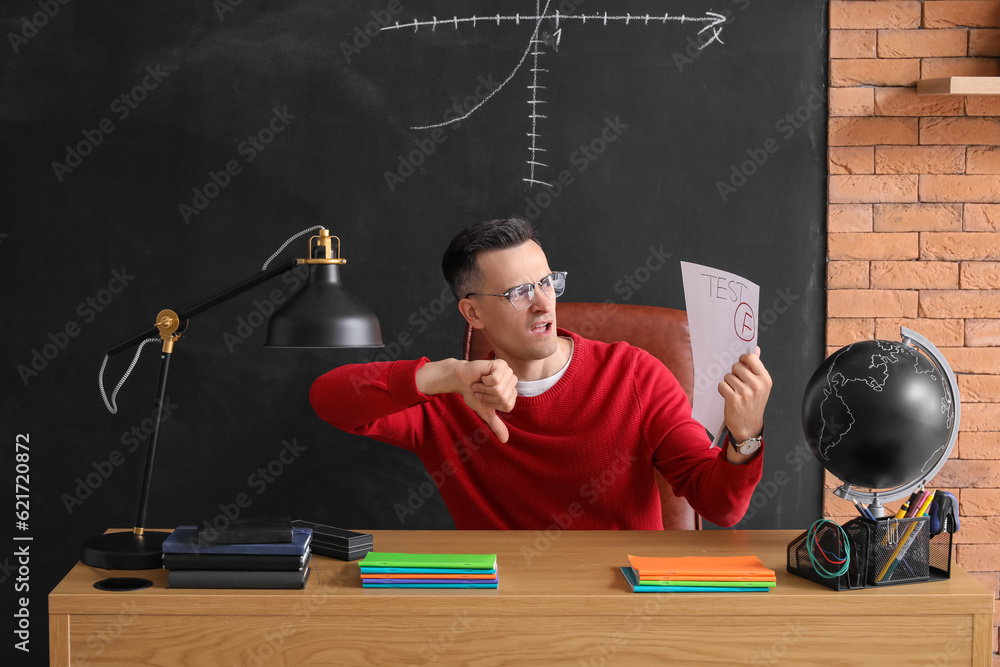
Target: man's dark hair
460, 263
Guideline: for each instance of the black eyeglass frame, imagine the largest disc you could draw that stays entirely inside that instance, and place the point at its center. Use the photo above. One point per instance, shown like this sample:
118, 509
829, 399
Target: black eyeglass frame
531, 290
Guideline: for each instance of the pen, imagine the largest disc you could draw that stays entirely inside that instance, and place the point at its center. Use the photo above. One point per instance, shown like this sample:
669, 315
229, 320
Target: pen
926, 504
906, 504
916, 504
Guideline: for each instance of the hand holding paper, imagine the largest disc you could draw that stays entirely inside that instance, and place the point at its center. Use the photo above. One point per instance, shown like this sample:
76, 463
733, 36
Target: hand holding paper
745, 391
731, 384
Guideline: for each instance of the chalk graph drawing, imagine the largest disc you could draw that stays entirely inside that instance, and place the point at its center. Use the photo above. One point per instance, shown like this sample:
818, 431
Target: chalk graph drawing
712, 21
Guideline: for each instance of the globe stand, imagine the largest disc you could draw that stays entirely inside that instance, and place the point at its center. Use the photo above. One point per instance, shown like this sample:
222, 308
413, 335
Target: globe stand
877, 509
874, 499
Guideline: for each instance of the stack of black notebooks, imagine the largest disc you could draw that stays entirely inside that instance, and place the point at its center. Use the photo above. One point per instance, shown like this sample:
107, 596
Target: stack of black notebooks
250, 554
337, 542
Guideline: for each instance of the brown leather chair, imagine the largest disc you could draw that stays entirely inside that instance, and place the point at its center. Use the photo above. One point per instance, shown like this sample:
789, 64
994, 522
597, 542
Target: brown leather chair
663, 332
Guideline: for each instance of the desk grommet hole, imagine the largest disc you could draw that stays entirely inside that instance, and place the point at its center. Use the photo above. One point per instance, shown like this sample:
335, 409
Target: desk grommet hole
121, 584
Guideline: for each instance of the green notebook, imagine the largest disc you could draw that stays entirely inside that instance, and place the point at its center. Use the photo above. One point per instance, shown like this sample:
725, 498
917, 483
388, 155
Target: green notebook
466, 561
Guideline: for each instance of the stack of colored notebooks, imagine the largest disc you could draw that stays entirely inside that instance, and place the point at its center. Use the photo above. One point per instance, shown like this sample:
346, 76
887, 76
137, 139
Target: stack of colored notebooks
406, 570
698, 574
197, 563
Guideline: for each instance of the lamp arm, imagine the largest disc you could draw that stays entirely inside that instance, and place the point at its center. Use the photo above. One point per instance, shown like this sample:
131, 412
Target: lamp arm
161, 383
239, 288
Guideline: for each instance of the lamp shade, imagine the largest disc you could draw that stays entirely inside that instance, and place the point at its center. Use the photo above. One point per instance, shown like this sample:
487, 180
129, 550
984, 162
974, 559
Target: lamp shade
323, 314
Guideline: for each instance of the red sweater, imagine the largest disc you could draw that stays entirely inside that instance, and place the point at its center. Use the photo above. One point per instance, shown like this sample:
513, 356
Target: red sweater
579, 456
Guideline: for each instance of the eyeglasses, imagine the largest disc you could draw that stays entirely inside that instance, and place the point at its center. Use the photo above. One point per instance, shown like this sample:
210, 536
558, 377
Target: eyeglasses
522, 296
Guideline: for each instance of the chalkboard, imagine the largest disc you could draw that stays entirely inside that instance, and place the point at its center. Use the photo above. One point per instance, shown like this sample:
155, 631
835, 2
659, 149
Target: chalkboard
157, 152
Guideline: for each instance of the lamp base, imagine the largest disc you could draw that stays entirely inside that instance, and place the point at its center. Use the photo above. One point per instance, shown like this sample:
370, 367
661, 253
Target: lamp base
125, 551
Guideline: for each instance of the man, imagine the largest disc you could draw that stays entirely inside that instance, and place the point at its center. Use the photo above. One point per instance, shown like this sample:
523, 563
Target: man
554, 425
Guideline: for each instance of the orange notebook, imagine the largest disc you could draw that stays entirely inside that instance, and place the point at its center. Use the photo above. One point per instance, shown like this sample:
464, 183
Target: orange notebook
702, 567
706, 577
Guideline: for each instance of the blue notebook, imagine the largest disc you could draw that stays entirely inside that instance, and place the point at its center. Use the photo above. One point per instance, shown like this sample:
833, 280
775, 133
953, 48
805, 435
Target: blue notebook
184, 540
642, 588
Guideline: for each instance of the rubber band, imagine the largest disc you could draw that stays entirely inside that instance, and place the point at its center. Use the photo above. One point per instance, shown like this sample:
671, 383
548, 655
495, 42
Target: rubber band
812, 536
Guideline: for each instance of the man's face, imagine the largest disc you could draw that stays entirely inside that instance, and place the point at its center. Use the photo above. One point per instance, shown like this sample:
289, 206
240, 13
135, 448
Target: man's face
517, 335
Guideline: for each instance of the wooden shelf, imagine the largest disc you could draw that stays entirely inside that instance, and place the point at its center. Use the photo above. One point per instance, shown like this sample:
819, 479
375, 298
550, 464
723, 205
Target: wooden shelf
960, 85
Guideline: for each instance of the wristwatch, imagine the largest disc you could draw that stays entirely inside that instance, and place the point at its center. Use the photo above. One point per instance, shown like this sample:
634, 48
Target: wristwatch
748, 446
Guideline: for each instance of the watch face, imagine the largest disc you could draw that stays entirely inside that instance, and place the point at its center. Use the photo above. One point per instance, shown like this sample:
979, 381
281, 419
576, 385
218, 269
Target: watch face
749, 447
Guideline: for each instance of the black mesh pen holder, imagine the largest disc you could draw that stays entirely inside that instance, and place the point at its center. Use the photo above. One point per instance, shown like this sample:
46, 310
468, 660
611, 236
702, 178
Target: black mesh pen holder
898, 551
883, 553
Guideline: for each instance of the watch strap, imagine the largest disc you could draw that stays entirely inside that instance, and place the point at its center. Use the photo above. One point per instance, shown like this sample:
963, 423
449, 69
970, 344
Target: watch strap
759, 439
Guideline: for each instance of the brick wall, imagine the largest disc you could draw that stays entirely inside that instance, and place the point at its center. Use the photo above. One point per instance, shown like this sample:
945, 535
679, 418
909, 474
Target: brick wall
914, 224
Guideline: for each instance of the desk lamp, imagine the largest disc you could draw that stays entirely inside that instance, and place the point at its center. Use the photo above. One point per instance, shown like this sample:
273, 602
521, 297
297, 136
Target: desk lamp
321, 314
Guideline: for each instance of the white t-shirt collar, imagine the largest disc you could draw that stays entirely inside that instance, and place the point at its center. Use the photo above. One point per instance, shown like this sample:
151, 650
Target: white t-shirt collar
528, 388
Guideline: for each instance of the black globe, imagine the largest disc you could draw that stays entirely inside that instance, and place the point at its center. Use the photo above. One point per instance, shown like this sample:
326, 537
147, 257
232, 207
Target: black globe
877, 414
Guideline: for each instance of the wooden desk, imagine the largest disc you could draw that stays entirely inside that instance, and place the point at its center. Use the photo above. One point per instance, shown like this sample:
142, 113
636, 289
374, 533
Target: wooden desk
561, 600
